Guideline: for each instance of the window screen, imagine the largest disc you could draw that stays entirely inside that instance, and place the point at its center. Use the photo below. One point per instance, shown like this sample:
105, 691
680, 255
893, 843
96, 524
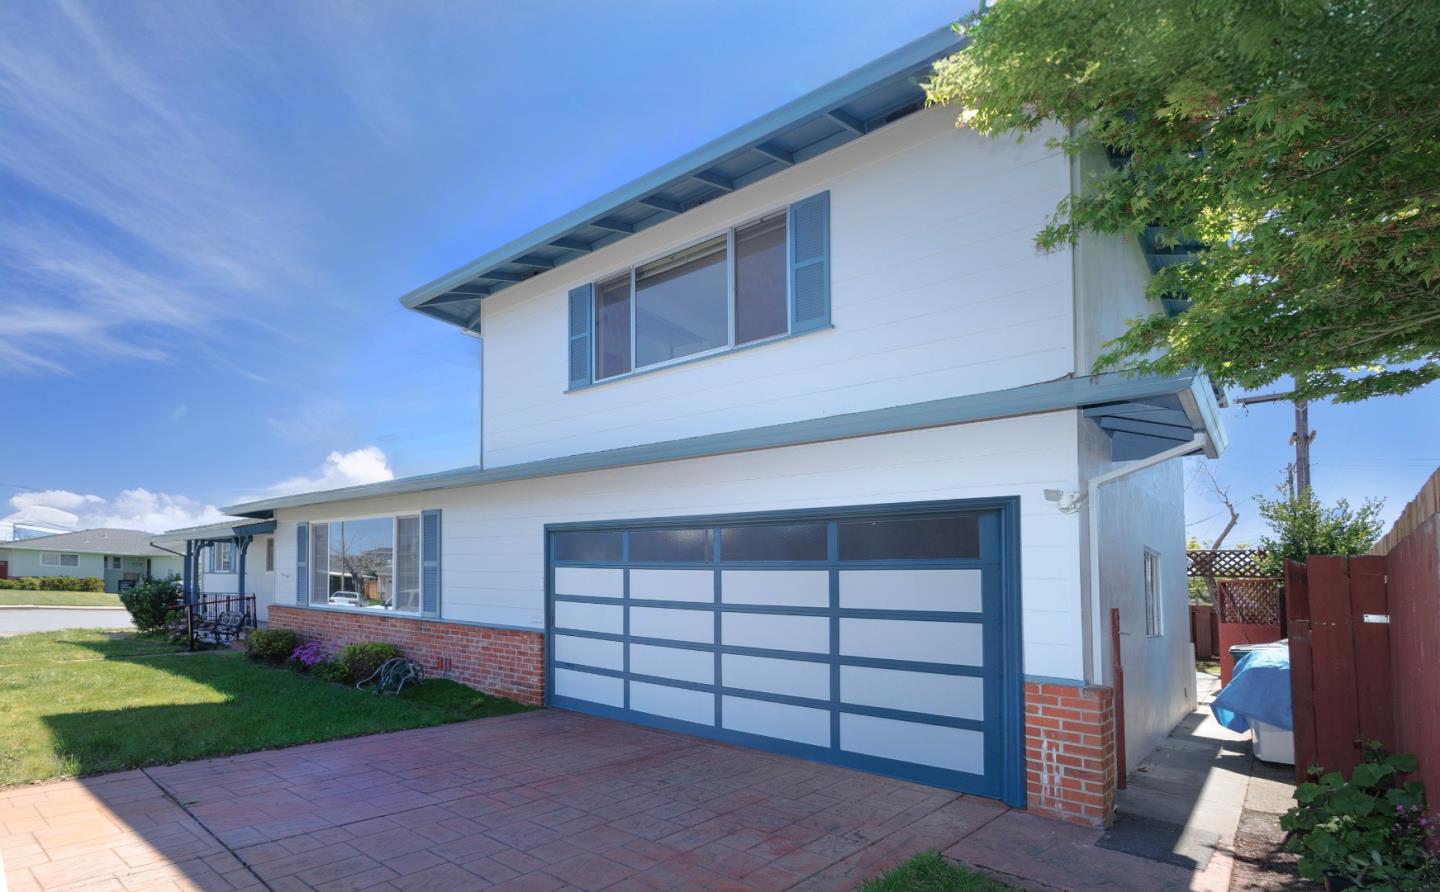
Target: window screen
761, 281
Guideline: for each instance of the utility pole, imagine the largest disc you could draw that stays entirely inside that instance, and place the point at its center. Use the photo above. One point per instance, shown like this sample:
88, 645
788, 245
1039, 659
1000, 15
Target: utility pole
1300, 439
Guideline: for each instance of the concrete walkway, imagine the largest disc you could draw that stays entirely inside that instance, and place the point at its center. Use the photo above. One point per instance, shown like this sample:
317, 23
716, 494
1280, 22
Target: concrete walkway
541, 801
19, 620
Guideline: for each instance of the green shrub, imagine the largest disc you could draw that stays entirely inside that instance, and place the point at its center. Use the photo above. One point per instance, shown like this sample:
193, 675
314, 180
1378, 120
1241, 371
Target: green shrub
272, 645
359, 661
1372, 830
150, 604
54, 584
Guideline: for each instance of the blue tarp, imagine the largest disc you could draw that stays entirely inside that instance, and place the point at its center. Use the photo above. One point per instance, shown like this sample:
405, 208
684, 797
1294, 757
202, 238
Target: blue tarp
1258, 690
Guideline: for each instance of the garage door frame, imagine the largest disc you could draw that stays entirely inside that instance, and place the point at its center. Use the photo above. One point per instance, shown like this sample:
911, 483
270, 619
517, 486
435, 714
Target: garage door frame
1010, 770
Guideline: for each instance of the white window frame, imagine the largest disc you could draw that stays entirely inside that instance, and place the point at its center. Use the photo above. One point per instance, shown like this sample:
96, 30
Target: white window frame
59, 559
1153, 587
729, 345
394, 549
227, 549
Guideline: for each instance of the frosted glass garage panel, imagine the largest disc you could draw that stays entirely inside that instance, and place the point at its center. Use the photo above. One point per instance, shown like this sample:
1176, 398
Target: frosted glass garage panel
956, 696
957, 644
673, 662
596, 582
676, 624
586, 686
673, 585
783, 588
675, 703
956, 749
803, 724
797, 678
590, 652
946, 590
589, 617
776, 632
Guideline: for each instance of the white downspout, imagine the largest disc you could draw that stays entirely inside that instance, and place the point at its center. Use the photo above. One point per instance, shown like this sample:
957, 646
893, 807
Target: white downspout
1097, 625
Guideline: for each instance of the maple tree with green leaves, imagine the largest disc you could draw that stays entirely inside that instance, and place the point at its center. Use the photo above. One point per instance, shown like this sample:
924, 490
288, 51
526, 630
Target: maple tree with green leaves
1297, 140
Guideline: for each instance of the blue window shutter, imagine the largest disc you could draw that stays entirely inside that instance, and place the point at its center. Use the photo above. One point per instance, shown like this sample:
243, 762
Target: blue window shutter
302, 563
430, 562
810, 263
581, 354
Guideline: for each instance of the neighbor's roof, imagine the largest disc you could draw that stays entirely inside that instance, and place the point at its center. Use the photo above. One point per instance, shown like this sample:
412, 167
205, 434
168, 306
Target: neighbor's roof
104, 540
837, 113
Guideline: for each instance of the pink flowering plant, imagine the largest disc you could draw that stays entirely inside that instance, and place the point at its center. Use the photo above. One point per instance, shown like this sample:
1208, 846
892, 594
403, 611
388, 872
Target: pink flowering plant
1372, 831
309, 655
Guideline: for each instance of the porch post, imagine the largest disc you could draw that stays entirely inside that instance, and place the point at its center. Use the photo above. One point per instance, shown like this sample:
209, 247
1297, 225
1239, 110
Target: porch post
187, 571
241, 544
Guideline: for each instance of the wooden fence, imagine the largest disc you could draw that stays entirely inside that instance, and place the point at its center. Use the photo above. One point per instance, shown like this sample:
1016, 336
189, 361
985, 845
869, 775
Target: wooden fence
1365, 647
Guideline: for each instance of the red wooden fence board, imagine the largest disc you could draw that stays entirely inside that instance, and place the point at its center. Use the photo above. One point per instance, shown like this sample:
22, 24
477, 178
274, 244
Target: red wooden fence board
1302, 703
1372, 649
1337, 717
1414, 588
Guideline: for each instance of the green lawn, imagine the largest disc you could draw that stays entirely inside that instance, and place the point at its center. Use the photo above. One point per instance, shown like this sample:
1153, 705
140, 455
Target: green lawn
928, 872
10, 597
82, 702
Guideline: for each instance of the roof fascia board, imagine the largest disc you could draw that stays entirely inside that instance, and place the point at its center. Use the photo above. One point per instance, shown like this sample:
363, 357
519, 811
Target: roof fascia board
812, 105
1048, 396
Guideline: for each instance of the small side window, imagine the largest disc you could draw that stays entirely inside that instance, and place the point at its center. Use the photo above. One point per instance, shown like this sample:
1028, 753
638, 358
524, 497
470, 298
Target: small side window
1154, 614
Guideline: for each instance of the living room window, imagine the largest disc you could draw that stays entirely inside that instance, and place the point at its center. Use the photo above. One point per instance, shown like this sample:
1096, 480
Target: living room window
371, 563
55, 559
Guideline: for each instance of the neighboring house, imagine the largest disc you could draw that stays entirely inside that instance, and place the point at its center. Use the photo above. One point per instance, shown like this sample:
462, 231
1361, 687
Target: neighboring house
29, 529
120, 557
230, 558
788, 444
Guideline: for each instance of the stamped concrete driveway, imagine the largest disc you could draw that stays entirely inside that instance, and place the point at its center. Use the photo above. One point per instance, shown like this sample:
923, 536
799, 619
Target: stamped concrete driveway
537, 801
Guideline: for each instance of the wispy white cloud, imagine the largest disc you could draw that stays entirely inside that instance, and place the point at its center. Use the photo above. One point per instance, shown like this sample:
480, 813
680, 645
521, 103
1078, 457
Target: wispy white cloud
340, 469
133, 509
146, 213
143, 509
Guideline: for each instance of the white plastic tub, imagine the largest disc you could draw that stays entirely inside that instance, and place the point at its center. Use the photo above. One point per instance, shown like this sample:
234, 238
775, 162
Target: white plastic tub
1273, 744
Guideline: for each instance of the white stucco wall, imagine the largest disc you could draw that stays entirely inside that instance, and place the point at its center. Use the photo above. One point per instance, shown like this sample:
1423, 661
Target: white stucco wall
493, 562
1143, 510
936, 290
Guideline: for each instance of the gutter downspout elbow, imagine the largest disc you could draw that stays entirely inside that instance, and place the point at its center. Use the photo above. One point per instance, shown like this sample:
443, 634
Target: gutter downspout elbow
1092, 516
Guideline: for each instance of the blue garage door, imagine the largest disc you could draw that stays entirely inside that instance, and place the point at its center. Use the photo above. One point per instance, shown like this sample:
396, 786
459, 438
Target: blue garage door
884, 639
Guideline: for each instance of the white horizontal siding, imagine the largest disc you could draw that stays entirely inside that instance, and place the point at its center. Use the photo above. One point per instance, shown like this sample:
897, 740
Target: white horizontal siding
493, 561
937, 290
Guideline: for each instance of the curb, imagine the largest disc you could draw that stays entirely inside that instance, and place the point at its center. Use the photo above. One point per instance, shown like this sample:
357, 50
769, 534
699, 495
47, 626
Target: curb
54, 607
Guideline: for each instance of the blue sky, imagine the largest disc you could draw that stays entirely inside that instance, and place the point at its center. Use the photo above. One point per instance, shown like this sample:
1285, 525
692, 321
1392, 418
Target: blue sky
210, 209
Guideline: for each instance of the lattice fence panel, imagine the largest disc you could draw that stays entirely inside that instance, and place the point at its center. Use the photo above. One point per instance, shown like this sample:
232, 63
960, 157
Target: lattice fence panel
1231, 563
1256, 601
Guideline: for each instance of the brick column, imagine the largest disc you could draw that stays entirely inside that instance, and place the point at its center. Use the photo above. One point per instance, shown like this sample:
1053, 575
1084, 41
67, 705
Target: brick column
1070, 768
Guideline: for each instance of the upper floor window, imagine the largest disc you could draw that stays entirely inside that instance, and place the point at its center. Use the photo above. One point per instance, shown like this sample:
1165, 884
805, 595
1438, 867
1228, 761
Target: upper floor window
761, 280
725, 291
54, 559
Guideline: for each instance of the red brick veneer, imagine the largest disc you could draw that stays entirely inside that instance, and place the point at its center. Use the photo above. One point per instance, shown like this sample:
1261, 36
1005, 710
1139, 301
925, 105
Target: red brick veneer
1070, 752
507, 662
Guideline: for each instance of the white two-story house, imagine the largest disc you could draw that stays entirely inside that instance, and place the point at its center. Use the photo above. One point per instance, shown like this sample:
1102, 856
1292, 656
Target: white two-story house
794, 443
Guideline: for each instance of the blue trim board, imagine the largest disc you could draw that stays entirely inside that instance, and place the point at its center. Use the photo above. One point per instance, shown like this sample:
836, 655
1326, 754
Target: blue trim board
1003, 704
1030, 399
